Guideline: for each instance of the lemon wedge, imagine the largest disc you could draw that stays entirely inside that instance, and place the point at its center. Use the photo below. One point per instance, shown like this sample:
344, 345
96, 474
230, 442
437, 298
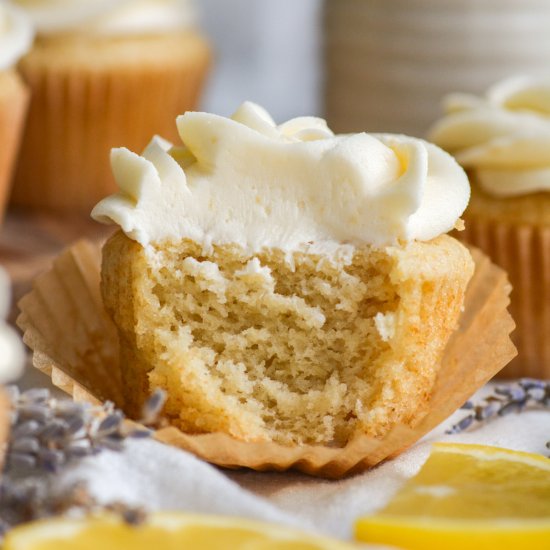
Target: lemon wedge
468, 496
162, 531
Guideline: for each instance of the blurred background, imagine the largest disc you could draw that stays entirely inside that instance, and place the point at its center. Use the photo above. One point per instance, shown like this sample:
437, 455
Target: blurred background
377, 65
79, 77
87, 76
264, 51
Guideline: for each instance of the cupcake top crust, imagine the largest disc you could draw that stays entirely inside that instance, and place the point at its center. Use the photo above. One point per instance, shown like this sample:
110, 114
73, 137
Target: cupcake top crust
108, 17
247, 181
16, 35
503, 137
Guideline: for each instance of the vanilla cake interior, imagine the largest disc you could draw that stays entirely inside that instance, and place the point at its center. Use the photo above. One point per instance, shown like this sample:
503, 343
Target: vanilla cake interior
300, 348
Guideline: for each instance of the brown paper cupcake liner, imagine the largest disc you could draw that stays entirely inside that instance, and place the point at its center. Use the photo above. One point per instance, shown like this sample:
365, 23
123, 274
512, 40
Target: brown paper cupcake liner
14, 98
80, 109
524, 252
75, 342
5, 407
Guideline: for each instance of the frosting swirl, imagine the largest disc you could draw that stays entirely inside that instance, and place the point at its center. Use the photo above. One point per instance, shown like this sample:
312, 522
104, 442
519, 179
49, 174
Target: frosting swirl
111, 17
246, 180
12, 356
16, 35
503, 137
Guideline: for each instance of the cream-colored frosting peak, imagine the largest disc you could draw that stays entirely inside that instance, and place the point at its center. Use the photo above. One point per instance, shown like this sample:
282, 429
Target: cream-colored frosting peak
108, 16
503, 138
12, 356
16, 35
246, 180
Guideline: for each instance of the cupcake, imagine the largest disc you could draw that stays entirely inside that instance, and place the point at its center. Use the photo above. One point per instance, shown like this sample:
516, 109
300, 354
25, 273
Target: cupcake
16, 37
12, 358
281, 283
102, 74
503, 141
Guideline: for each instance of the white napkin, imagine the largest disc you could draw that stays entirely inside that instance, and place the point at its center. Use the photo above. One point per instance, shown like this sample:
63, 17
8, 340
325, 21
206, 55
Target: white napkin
159, 477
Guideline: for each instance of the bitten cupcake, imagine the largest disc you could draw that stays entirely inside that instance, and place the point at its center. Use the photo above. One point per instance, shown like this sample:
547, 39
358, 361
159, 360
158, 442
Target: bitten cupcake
503, 141
102, 74
281, 283
16, 37
292, 291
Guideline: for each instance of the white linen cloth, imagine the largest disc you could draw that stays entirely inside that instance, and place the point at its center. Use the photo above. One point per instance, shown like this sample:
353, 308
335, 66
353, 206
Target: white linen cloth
159, 477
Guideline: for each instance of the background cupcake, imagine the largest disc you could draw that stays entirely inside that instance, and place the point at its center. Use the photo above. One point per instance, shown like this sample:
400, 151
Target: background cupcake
102, 73
12, 358
503, 141
15, 40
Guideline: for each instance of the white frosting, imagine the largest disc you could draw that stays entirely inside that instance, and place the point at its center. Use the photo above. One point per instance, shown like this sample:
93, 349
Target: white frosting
245, 180
504, 137
16, 35
12, 356
111, 17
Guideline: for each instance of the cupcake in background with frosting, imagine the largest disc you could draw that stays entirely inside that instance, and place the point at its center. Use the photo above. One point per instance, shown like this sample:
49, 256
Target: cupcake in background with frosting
16, 37
102, 74
503, 142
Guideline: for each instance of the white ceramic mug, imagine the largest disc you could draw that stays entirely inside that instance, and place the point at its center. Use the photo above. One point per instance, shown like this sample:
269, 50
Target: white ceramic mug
389, 62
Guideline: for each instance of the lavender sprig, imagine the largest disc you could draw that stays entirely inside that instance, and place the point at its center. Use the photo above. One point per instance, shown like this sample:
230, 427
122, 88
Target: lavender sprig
47, 434
34, 499
505, 399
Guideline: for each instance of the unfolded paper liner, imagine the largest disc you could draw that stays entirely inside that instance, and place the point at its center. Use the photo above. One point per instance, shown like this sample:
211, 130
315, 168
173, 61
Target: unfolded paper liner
81, 109
75, 343
524, 252
14, 98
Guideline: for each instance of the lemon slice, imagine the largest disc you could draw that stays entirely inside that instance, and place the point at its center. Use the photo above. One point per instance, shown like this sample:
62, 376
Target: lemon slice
468, 496
162, 531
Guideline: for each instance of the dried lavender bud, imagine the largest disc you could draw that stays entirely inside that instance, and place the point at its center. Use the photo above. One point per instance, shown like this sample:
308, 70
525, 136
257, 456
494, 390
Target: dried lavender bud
51, 460
29, 445
35, 395
140, 434
26, 428
79, 449
75, 426
464, 424
152, 407
18, 460
486, 412
511, 407
55, 429
68, 409
515, 393
111, 444
32, 411
537, 394
506, 399
530, 383
110, 424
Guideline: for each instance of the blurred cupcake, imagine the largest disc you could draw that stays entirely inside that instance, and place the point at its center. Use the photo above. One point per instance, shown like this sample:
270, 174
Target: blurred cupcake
503, 141
15, 40
12, 358
102, 74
